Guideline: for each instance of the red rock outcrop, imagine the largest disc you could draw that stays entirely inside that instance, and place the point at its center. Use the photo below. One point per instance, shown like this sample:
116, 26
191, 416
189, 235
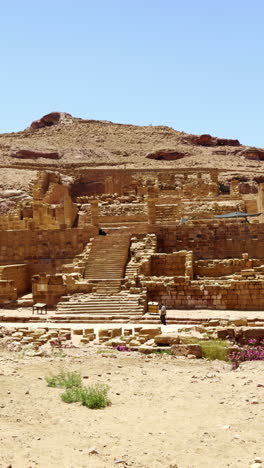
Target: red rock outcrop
27, 154
49, 119
208, 140
166, 155
227, 142
254, 153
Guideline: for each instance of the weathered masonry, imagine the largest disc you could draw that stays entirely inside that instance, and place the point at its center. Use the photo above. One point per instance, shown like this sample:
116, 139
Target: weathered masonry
163, 243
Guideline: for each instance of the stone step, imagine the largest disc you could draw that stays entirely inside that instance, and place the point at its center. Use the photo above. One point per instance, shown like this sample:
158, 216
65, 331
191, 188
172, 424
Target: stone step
100, 315
105, 300
102, 272
94, 310
99, 310
89, 320
107, 260
99, 304
102, 298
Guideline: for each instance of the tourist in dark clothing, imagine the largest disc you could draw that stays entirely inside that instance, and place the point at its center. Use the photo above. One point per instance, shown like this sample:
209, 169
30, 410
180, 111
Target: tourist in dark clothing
163, 312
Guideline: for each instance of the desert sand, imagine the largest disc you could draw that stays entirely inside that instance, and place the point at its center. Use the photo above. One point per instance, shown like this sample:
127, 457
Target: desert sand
166, 412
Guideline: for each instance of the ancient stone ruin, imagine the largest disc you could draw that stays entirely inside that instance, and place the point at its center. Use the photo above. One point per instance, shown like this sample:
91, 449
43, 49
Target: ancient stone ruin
103, 246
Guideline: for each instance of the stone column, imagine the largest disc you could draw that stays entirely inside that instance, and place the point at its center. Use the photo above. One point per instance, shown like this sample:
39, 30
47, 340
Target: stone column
109, 185
214, 176
189, 265
234, 188
67, 205
95, 212
260, 202
151, 210
214, 186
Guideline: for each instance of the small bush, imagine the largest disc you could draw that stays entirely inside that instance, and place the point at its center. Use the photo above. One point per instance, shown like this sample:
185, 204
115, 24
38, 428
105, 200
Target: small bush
72, 395
65, 380
94, 396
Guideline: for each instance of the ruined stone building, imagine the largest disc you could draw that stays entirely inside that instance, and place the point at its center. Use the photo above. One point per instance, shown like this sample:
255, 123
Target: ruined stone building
163, 242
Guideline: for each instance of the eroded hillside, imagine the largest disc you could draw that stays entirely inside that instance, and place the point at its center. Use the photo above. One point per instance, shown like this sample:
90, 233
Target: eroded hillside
63, 143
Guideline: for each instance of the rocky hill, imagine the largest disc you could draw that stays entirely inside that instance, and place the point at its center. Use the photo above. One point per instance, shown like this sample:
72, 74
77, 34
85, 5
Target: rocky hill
61, 142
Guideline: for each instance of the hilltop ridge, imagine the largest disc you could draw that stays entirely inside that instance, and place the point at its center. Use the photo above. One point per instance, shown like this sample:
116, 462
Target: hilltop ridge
61, 142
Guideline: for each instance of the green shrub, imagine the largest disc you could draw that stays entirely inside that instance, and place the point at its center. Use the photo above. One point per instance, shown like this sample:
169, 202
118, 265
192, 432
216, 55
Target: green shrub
72, 395
65, 380
94, 396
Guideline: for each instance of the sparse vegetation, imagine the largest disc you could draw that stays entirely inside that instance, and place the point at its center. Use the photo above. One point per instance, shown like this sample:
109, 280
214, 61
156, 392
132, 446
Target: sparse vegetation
122, 348
214, 349
93, 397
105, 351
163, 351
72, 395
64, 380
252, 351
211, 349
58, 354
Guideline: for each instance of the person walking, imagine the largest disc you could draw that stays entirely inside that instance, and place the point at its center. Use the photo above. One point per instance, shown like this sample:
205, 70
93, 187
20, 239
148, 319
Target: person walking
163, 312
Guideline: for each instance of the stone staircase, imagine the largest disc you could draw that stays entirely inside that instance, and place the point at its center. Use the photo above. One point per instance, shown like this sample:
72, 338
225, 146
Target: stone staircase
98, 308
106, 262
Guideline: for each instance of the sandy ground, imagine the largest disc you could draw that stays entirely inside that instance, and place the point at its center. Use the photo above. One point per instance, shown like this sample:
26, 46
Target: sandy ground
165, 413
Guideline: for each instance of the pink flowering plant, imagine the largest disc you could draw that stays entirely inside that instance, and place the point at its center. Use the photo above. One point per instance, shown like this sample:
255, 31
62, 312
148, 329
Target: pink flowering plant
122, 348
58, 343
252, 351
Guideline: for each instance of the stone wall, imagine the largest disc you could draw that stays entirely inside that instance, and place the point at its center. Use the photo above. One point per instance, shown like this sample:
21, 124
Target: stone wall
8, 291
225, 267
19, 274
240, 295
212, 241
168, 264
31, 246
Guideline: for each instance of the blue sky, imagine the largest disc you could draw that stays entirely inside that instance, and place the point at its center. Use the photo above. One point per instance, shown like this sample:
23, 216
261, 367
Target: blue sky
193, 65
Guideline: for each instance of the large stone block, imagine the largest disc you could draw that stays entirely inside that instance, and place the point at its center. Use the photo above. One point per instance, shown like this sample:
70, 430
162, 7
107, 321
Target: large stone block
116, 332
167, 339
186, 349
150, 331
224, 333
